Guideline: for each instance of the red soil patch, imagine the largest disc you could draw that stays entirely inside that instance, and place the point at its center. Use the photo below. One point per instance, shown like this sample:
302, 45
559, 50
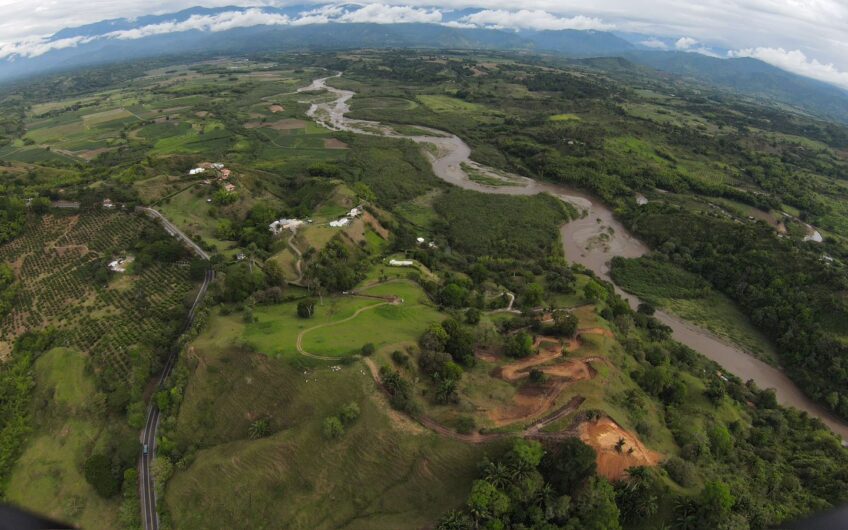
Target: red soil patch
333, 143
603, 435
530, 401
372, 221
276, 108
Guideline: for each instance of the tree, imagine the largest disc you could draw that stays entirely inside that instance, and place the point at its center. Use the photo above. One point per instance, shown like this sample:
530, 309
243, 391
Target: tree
306, 308
434, 339
646, 308
715, 503
274, 274
486, 501
568, 464
472, 316
594, 293
367, 349
453, 295
332, 428
519, 345
98, 473
532, 294
565, 323
595, 506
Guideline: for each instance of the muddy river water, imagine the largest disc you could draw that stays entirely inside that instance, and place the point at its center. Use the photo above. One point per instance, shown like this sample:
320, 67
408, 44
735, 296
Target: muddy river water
591, 240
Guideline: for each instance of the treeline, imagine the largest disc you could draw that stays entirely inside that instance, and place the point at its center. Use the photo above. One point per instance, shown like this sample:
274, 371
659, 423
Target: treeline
16, 386
785, 287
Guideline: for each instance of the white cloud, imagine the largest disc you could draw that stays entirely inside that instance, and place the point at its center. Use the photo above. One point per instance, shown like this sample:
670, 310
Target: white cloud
220, 22
684, 43
387, 14
654, 43
797, 62
532, 19
39, 46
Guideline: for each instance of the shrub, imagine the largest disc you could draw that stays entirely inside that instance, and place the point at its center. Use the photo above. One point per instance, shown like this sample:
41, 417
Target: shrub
349, 413
306, 308
368, 349
332, 428
400, 358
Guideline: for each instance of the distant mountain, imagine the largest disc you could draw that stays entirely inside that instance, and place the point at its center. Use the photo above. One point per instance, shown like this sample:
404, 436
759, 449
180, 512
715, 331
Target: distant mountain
578, 43
233, 30
752, 77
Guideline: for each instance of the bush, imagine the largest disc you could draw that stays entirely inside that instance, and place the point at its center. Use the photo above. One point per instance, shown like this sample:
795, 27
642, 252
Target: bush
349, 413
306, 308
399, 358
368, 349
465, 425
680, 471
332, 428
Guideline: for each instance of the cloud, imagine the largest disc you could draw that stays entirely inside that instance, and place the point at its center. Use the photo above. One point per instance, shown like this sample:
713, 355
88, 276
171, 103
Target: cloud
797, 62
654, 43
39, 46
387, 14
532, 19
684, 43
220, 22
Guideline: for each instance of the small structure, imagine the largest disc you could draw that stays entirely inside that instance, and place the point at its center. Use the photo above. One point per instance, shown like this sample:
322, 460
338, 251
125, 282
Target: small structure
120, 264
420, 240
218, 165
355, 212
108, 204
339, 223
284, 224
240, 257
641, 200
196, 171
225, 174
230, 187
401, 263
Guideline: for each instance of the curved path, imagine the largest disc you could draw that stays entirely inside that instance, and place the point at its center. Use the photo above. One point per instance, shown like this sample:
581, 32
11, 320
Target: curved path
299, 343
146, 484
299, 263
591, 240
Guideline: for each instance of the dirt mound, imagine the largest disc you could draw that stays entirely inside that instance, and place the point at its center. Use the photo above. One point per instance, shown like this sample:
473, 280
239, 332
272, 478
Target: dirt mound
604, 436
276, 108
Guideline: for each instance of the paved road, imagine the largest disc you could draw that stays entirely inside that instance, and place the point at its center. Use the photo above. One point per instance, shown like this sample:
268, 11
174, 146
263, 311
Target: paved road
174, 231
146, 487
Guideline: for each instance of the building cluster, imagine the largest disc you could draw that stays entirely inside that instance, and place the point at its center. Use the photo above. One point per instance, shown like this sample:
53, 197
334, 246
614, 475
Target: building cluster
421, 242
222, 174
346, 220
284, 224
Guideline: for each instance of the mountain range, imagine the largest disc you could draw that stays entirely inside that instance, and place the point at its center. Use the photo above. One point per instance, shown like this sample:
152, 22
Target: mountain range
229, 30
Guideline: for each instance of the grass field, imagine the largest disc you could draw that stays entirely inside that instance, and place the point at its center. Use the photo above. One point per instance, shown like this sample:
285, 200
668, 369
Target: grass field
48, 477
277, 327
385, 472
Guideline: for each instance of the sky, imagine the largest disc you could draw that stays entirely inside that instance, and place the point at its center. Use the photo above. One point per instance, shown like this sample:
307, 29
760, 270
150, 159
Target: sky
809, 37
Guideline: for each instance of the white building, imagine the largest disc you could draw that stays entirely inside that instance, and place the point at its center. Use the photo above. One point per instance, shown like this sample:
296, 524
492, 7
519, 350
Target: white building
339, 223
401, 263
355, 212
196, 171
284, 224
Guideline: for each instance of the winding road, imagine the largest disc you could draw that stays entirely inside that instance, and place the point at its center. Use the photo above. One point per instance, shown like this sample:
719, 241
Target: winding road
146, 484
592, 240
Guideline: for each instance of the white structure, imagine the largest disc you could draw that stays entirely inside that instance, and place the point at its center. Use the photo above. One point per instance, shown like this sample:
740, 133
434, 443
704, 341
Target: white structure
218, 165
355, 212
120, 264
284, 224
401, 263
339, 223
420, 240
196, 171
107, 203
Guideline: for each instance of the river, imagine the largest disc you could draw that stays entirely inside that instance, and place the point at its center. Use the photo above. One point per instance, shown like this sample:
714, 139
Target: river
592, 240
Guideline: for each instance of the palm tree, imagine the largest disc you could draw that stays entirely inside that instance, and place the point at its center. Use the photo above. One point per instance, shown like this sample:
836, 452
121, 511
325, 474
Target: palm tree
620, 444
497, 473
